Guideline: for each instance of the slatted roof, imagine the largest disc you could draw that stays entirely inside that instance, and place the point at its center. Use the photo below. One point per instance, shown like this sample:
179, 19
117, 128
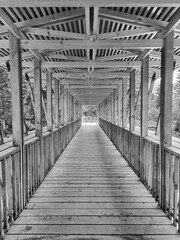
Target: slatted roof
90, 46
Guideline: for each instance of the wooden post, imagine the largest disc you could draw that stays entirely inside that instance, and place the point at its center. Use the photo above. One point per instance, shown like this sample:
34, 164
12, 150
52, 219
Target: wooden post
124, 103
131, 112
61, 103
56, 103
165, 108
38, 118
50, 113
132, 102
49, 100
115, 106
144, 111
65, 104
17, 105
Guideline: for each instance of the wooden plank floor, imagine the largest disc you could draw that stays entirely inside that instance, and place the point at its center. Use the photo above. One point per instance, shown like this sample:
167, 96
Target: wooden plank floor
91, 193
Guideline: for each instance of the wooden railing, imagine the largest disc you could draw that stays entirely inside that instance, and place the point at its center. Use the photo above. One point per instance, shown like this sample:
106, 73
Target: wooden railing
149, 169
14, 191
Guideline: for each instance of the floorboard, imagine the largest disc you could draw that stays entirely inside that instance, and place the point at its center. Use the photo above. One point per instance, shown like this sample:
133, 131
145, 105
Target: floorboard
92, 194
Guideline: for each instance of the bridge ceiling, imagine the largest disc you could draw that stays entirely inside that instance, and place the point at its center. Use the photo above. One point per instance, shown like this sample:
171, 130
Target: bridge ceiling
90, 46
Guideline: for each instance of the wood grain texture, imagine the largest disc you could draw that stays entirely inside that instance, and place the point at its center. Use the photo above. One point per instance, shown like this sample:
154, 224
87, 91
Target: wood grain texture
91, 193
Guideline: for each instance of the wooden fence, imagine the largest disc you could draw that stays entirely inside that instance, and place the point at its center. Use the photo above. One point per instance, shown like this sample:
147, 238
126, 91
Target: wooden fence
18, 181
149, 169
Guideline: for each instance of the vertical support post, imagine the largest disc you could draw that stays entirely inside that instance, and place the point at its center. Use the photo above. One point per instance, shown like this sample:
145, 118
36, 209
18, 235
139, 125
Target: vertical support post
38, 118
131, 111
144, 112
124, 103
165, 109
49, 99
50, 113
17, 104
61, 103
132, 101
119, 104
65, 104
56, 103
113, 105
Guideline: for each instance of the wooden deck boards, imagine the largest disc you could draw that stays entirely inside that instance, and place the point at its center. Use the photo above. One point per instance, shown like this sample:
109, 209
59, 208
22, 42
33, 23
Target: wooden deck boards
91, 193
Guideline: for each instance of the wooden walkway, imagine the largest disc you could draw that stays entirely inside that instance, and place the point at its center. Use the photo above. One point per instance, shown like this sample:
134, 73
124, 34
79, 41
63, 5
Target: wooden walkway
91, 193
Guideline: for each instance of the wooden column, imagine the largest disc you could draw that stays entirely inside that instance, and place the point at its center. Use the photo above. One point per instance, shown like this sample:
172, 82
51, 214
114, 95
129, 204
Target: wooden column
119, 104
49, 100
56, 103
17, 107
65, 105
113, 105
132, 101
116, 106
144, 111
124, 103
166, 109
38, 118
61, 104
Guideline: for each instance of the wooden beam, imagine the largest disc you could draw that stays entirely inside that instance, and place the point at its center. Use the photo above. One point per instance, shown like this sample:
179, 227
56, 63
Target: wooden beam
95, 31
16, 88
54, 33
144, 112
89, 44
64, 57
41, 21
132, 19
132, 102
89, 3
49, 100
111, 64
116, 56
124, 103
91, 86
12, 27
17, 110
95, 82
119, 104
90, 75
173, 23
38, 118
37, 98
87, 20
126, 33
165, 111
169, 28
56, 103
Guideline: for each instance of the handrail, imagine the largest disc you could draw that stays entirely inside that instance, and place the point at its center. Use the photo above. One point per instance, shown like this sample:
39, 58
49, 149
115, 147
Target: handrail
15, 192
149, 170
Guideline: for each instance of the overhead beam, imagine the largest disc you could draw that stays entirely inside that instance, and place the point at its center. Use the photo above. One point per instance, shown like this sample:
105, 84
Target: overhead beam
54, 33
116, 56
162, 34
86, 44
89, 3
139, 21
17, 33
127, 33
41, 21
90, 82
91, 86
92, 64
89, 44
93, 75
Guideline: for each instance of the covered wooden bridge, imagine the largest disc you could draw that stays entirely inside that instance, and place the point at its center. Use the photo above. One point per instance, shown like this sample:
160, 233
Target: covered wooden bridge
90, 52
